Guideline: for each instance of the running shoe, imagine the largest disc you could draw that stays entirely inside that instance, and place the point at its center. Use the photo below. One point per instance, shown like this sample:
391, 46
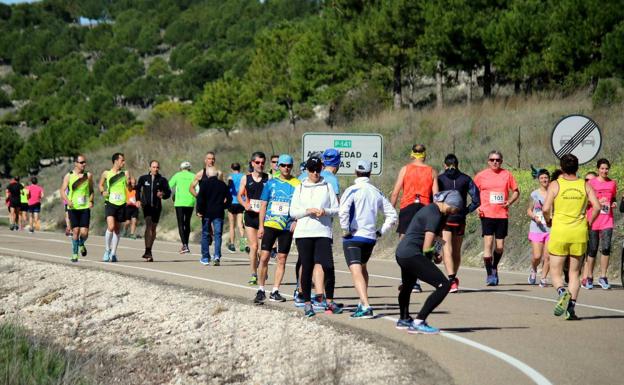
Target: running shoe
31, 230
361, 313
319, 303
422, 328
570, 315
260, 297
242, 244
562, 303
308, 311
543, 282
147, 255
253, 280
333, 308
231, 248
276, 297
403, 324
587, 283
74, 258
106, 257
299, 300
83, 250
416, 288
113, 258
132, 236
273, 253
532, 277
205, 261
604, 283
216, 262
491, 280
186, 249
454, 285
182, 250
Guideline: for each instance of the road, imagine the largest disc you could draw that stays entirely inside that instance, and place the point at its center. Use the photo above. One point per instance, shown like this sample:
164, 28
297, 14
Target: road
503, 334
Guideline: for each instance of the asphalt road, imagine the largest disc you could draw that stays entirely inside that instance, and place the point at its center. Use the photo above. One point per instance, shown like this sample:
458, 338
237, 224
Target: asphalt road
491, 335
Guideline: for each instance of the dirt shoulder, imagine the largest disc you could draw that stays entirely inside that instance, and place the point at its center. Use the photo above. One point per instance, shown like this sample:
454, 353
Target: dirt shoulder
136, 331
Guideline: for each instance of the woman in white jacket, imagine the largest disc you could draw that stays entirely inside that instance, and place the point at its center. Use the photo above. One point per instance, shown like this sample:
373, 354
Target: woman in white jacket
313, 204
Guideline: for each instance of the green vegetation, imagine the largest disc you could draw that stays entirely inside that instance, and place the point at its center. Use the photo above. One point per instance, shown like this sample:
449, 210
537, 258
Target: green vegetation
24, 361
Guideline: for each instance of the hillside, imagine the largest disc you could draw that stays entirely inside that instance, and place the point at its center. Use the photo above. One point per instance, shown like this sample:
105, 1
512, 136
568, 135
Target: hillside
470, 132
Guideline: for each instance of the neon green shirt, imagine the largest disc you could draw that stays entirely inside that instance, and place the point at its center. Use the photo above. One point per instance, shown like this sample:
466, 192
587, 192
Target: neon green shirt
180, 183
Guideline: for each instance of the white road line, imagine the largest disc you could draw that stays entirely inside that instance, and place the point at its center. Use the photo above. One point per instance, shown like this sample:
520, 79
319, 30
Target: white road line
349, 273
534, 375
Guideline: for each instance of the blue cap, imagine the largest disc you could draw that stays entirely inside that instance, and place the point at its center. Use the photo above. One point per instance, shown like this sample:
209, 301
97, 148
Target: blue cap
331, 157
285, 159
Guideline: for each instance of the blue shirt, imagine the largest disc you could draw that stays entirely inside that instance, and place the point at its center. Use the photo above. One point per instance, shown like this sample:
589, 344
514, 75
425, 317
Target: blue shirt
278, 193
328, 176
234, 185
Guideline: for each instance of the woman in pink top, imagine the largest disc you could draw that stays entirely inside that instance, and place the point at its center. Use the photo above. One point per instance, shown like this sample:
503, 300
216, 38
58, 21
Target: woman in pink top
35, 193
601, 231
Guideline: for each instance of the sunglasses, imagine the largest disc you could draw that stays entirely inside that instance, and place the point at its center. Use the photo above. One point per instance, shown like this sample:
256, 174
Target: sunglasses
498, 160
273, 161
286, 165
259, 162
83, 162
314, 171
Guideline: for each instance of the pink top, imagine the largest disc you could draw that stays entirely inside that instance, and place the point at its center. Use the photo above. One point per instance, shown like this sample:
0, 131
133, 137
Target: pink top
494, 190
606, 193
35, 192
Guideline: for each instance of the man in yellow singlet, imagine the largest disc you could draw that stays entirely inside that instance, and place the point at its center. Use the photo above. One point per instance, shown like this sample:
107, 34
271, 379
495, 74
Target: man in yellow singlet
565, 204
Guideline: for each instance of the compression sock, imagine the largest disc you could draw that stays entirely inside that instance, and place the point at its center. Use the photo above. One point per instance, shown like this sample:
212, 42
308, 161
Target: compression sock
107, 239
114, 243
488, 265
74, 246
571, 304
497, 258
81, 241
451, 276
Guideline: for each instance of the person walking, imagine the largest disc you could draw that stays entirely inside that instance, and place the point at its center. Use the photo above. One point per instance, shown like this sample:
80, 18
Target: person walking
183, 202
212, 200
236, 210
152, 188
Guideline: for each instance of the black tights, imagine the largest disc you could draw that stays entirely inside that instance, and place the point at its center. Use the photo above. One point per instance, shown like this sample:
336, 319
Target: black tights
184, 214
312, 251
421, 267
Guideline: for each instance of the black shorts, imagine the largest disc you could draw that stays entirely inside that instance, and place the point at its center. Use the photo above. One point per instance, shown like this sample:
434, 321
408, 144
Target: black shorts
36, 208
455, 228
284, 240
357, 252
79, 218
494, 226
15, 204
117, 212
251, 219
131, 212
235, 208
152, 212
24, 207
405, 216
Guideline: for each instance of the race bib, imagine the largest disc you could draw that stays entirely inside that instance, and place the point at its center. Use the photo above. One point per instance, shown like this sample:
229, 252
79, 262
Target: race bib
497, 198
255, 205
280, 208
539, 217
605, 209
81, 200
115, 196
133, 200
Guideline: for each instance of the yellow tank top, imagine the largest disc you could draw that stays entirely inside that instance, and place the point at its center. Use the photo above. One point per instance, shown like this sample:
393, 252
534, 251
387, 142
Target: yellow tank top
569, 224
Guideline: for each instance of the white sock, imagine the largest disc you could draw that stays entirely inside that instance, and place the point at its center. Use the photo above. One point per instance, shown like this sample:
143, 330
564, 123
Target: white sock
107, 239
274, 289
418, 321
114, 243
261, 288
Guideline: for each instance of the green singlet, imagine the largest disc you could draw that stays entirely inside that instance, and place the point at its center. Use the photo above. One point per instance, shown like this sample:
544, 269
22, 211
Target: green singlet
116, 187
79, 191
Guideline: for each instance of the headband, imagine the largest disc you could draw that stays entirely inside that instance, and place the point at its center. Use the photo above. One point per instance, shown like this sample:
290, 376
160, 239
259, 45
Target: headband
418, 155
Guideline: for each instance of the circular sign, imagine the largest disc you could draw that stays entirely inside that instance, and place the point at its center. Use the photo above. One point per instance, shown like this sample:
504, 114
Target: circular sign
577, 135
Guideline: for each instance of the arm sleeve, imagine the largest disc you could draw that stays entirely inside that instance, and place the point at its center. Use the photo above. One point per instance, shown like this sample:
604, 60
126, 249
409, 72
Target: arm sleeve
475, 198
139, 189
390, 215
344, 208
332, 210
296, 209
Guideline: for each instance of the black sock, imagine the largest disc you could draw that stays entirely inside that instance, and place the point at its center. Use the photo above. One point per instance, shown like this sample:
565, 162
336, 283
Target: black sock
488, 265
497, 258
148, 250
451, 276
571, 304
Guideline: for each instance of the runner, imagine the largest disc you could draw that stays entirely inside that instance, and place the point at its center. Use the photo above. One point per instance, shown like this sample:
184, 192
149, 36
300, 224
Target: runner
210, 160
132, 211
539, 231
419, 182
212, 200
13, 193
152, 188
276, 224
184, 202
35, 194
494, 184
77, 190
249, 193
23, 217
414, 255
601, 231
275, 172
112, 186
359, 207
565, 209
453, 232
236, 210
313, 204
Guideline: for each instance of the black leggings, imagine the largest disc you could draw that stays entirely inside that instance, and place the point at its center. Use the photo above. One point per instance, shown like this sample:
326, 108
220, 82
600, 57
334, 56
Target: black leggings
312, 251
423, 268
184, 214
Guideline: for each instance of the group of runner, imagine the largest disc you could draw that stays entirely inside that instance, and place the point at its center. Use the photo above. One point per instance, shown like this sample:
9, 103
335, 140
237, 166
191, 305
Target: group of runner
268, 210
24, 204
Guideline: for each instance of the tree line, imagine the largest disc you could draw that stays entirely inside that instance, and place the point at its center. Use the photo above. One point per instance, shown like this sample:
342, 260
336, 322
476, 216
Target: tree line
237, 63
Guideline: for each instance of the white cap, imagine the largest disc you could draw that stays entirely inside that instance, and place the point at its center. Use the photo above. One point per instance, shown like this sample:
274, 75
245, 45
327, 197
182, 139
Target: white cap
363, 166
185, 165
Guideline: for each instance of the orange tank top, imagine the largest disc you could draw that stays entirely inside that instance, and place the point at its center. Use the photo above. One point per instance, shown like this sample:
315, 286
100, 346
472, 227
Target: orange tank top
417, 185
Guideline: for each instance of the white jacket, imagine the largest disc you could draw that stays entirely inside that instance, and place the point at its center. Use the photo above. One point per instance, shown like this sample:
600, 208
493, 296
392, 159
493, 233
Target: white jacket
359, 206
308, 195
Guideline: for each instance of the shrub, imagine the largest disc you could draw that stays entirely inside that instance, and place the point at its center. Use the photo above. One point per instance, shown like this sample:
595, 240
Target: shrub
606, 93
